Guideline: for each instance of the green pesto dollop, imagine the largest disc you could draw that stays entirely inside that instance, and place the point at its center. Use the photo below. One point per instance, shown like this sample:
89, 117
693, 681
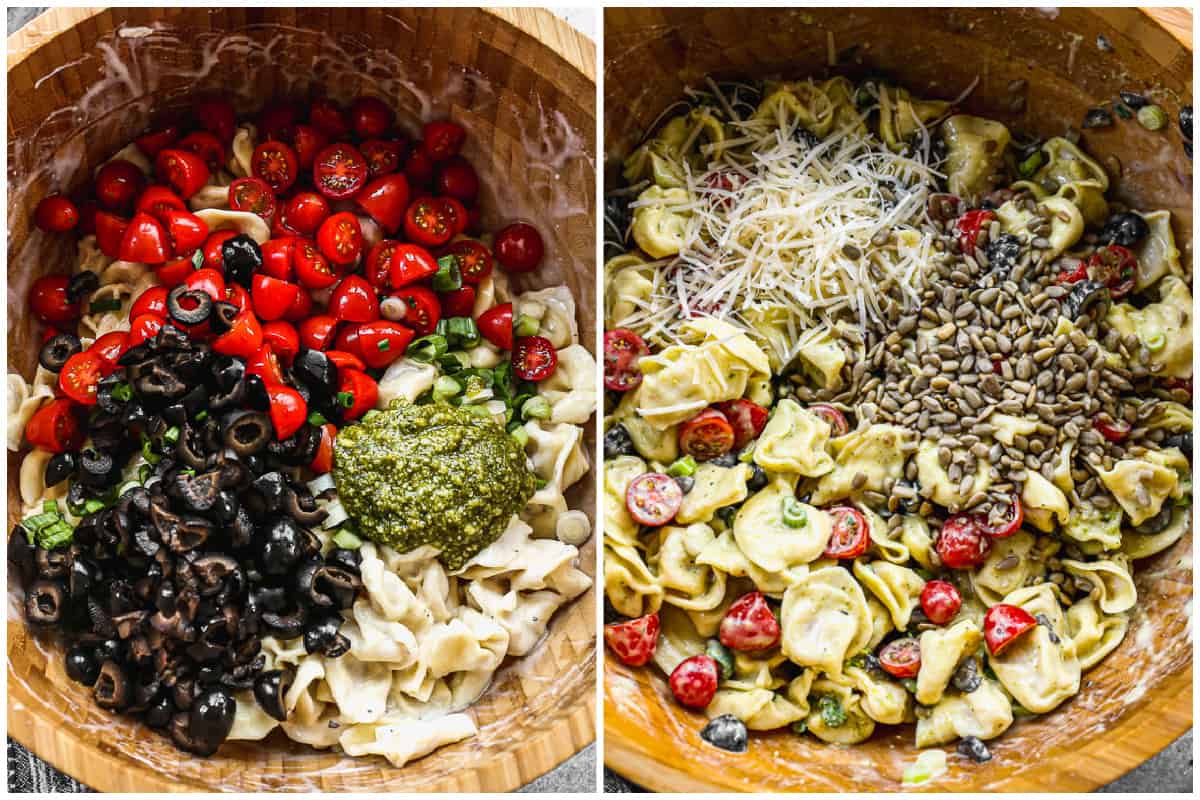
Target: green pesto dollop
431, 474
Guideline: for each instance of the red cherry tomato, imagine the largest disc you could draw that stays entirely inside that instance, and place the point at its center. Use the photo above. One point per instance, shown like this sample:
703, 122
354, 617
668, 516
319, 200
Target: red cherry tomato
323, 461
205, 145
242, 339
151, 301
326, 116
354, 300
962, 543
110, 232
212, 250
344, 360
155, 142
622, 350
55, 427
307, 142
79, 377
633, 641
419, 166
347, 340
357, 393
533, 358
306, 211
87, 217
301, 309
182, 170
706, 435
143, 328
157, 199
271, 297
457, 213
459, 303
288, 410
185, 230
277, 257
473, 259
835, 418
48, 299
1073, 274
653, 499
339, 171
1003, 623
457, 178
276, 164
209, 281
381, 342
278, 121
383, 156
145, 241
1010, 523
901, 658
422, 309
340, 238
110, 347
283, 339
749, 624
427, 223
117, 185
496, 325
940, 600
379, 263
410, 264
851, 535
215, 115
317, 332
56, 214
255, 196
747, 418
442, 139
385, 199
312, 269
694, 681
238, 296
265, 364
370, 117
1114, 430
1116, 267
518, 247
968, 226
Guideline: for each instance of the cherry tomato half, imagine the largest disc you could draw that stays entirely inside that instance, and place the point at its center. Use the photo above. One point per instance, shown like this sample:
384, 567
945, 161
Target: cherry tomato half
328, 117
283, 339
706, 435
144, 328
276, 164
305, 212
317, 332
370, 117
653, 499
55, 427
749, 624
49, 302
323, 461
383, 156
622, 350
940, 600
460, 303
533, 358
288, 410
968, 226
427, 223
633, 641
378, 263
1009, 523
277, 257
242, 339
382, 341
155, 142
836, 419
357, 393
213, 258
385, 199
851, 535
110, 232
110, 347
1003, 623
79, 377
157, 199
145, 241
518, 247
339, 171
1116, 267
271, 297
205, 145
182, 170
56, 214
151, 301
422, 309
117, 185
312, 269
442, 139
457, 178
354, 300
265, 364
901, 658
473, 259
1114, 430
962, 543
340, 238
307, 142
496, 325
185, 230
253, 195
747, 418
410, 264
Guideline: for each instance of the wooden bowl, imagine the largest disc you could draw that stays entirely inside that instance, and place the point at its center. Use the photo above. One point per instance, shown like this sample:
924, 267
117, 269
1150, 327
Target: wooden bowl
1140, 697
82, 83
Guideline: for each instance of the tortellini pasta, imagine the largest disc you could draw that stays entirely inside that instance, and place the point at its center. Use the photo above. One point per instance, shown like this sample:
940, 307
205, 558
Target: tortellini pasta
768, 540
877, 453
794, 441
974, 151
825, 620
1165, 328
659, 227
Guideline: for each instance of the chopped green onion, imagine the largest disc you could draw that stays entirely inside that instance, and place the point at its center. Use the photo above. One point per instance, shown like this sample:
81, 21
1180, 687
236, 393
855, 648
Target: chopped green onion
930, 764
427, 348
198, 258
317, 418
1155, 341
92, 505
1152, 118
832, 713
800, 726
144, 473
1122, 111
794, 514
1031, 164
346, 540
446, 387
448, 278
526, 326
462, 331
536, 407
383, 345
345, 399
148, 450
172, 435
682, 468
720, 653
38, 522
56, 535
910, 684
127, 486
541, 482
203, 415
105, 304
123, 392
452, 363
520, 435
747, 455
50, 506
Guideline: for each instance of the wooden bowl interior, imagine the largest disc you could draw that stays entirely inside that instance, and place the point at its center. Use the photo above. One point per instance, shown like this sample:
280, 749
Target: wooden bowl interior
82, 84
1139, 698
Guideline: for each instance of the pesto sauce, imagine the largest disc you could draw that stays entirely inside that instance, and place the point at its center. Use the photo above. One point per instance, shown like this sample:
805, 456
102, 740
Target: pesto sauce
431, 474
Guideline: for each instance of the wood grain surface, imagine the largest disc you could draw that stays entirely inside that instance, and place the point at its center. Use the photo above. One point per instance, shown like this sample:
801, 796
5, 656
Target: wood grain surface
1139, 698
82, 83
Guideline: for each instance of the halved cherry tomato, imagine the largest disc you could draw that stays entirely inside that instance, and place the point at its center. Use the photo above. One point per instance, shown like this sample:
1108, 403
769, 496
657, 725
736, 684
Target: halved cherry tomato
209, 281
288, 410
357, 393
186, 231
749, 624
1114, 430
305, 212
182, 170
410, 264
323, 461
457, 178
278, 121
473, 259
653, 499
962, 543
1003, 623
339, 171
1116, 267
534, 358
216, 115
622, 350
940, 600
1010, 523
307, 141
968, 226
694, 681
442, 139
55, 427
271, 297
277, 257
237, 295
850, 537
283, 339
343, 360
382, 341
49, 302
457, 213
151, 301
110, 347
155, 142
300, 309
253, 195
145, 241
518, 247
458, 303
144, 327
427, 223
340, 238
385, 199
213, 259
383, 156
496, 325
633, 641
901, 658
1073, 275
56, 214
370, 117
207, 146
354, 300
379, 263
347, 339
329, 118
706, 435
265, 364
418, 168
317, 332
157, 199
110, 232
312, 269
747, 418
242, 339
422, 309
276, 164
835, 418
117, 185
79, 377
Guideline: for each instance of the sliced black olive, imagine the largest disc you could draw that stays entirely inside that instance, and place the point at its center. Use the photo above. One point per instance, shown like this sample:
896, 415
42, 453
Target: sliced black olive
338, 647
159, 714
273, 488
112, 690
285, 545
57, 350
1097, 118
212, 715
212, 570
1002, 253
241, 257
129, 625
183, 693
974, 749
231, 398
198, 492
1185, 121
82, 284
726, 732
225, 508
228, 371
45, 603
134, 415
21, 554
143, 540
256, 393
121, 597
188, 407
618, 442
249, 433
314, 369
82, 666
298, 449
1125, 228
321, 633
686, 483
729, 459
303, 508
967, 678
81, 577
1086, 296
60, 467
95, 463
189, 306
50, 563
171, 337
285, 626
158, 381
758, 478
241, 529
183, 739
144, 694
191, 449
100, 621
326, 585
1133, 100
1181, 440
270, 688
223, 315
349, 560
1158, 523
